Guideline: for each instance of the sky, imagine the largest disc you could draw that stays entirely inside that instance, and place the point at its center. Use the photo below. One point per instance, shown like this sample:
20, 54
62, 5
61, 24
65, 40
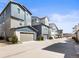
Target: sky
64, 13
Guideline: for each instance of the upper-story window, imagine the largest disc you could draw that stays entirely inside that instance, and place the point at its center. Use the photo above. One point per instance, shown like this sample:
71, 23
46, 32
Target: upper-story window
37, 20
18, 11
20, 24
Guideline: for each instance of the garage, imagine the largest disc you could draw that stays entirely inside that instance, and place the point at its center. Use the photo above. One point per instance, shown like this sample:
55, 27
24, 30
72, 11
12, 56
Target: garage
25, 33
26, 36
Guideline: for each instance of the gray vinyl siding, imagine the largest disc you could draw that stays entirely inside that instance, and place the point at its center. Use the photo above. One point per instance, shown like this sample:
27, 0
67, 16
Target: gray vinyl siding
14, 11
14, 23
44, 30
26, 29
34, 21
38, 27
5, 20
6, 26
24, 15
28, 19
5, 15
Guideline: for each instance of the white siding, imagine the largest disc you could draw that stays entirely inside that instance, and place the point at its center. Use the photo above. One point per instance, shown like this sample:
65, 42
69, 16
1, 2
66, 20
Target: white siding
14, 11
16, 23
45, 21
28, 19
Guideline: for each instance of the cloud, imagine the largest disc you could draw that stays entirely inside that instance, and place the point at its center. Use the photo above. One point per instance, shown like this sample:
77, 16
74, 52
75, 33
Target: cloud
74, 16
65, 21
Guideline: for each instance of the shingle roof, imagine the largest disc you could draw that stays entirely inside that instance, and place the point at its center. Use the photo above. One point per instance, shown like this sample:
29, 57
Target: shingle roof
42, 24
53, 24
25, 27
35, 17
40, 18
45, 25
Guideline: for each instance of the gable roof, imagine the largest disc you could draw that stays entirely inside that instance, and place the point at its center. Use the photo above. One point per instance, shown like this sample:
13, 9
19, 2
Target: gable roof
40, 18
42, 24
32, 28
45, 25
22, 6
44, 17
16, 18
53, 24
35, 17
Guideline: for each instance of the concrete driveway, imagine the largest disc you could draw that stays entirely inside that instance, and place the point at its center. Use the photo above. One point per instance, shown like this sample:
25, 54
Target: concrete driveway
3, 43
59, 48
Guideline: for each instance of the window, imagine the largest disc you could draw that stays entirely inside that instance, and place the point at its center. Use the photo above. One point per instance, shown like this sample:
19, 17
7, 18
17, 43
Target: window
18, 11
37, 20
20, 24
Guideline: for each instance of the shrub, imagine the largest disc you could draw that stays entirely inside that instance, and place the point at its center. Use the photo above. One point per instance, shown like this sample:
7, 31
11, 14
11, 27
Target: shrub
50, 38
13, 39
40, 38
1, 38
7, 39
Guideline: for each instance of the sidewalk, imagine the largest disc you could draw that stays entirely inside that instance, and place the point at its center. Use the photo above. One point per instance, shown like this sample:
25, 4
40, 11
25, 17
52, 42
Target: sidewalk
3, 43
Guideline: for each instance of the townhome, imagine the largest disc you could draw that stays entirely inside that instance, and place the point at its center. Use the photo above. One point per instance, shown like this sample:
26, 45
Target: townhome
76, 31
16, 18
60, 32
37, 20
42, 25
53, 31
75, 28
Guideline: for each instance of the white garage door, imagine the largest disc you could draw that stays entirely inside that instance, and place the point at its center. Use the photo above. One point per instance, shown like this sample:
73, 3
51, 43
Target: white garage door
26, 37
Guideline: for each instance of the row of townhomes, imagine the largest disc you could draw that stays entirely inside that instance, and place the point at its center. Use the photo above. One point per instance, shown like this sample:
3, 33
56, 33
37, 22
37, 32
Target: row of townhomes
76, 31
16, 18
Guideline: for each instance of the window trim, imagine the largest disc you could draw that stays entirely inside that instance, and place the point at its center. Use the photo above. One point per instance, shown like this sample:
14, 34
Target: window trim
18, 10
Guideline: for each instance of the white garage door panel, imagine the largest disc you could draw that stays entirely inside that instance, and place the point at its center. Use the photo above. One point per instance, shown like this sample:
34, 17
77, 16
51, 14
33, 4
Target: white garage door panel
26, 37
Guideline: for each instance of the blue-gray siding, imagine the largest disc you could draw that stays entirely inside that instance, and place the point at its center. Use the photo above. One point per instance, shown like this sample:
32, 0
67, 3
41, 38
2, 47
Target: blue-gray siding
24, 15
42, 30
